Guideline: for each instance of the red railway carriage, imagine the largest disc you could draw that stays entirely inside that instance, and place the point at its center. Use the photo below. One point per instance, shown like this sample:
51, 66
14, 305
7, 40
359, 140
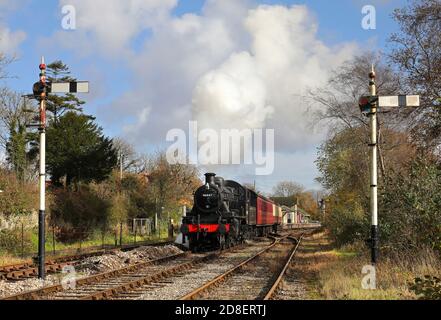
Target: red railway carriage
262, 212
265, 214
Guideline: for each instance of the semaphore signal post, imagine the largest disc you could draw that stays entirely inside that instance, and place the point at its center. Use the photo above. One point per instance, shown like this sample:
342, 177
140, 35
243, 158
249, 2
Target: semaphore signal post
40, 91
370, 105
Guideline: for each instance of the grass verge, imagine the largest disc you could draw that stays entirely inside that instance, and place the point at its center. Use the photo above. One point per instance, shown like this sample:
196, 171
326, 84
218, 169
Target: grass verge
336, 274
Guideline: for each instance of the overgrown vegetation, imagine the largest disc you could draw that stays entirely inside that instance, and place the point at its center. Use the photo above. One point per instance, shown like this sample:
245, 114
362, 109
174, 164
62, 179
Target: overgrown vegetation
427, 288
341, 277
88, 196
408, 150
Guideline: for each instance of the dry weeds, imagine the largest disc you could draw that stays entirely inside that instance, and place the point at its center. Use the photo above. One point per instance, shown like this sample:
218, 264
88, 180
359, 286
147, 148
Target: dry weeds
329, 274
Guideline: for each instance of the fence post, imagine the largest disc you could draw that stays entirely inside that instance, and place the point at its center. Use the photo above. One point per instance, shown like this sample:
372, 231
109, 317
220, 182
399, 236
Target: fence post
135, 233
53, 240
158, 230
120, 234
102, 238
22, 240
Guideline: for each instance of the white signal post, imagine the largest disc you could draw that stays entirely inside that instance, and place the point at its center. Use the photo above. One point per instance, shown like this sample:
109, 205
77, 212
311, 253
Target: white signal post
43, 87
374, 173
371, 105
42, 211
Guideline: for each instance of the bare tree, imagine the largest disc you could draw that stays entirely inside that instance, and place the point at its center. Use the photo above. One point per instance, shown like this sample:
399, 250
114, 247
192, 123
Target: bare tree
287, 189
131, 159
417, 53
339, 100
169, 184
14, 138
4, 63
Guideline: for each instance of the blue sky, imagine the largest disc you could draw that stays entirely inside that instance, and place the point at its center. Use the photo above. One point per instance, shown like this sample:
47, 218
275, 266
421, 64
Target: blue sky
339, 24
338, 21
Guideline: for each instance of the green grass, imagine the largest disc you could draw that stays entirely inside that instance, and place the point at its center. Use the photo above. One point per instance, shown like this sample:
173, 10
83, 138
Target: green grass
94, 241
345, 254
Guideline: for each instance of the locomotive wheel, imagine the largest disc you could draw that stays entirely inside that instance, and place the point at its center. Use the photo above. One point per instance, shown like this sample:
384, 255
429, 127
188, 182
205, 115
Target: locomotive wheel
194, 248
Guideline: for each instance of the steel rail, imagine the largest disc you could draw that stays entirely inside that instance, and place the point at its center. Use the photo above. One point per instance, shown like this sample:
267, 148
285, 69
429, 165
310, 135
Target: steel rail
25, 270
35, 294
276, 284
146, 280
192, 295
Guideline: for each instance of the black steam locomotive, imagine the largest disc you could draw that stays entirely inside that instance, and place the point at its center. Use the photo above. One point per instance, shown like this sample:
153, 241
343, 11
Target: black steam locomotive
226, 213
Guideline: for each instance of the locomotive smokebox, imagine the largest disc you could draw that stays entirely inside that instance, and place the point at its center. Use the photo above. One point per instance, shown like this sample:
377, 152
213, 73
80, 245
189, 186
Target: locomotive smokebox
209, 178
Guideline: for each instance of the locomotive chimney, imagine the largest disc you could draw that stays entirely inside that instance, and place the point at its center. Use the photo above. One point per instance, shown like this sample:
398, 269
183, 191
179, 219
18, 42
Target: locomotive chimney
209, 178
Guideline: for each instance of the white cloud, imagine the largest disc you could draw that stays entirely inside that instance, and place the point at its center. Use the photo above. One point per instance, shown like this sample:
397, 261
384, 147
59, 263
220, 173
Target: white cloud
110, 25
263, 86
233, 65
295, 166
10, 40
170, 64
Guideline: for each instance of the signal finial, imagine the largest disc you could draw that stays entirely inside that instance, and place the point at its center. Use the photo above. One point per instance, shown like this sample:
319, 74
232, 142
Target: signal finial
372, 73
42, 64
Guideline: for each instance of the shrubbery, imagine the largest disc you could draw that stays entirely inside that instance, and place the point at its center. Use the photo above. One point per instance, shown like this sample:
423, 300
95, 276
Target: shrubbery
78, 213
427, 288
11, 241
411, 206
348, 221
16, 198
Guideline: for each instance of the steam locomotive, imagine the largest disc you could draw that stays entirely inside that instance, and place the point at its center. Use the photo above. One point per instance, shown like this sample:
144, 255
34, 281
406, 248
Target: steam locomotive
226, 213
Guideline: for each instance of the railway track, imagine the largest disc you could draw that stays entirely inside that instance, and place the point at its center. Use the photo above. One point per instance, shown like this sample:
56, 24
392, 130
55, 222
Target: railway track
178, 284
254, 278
273, 291
28, 270
172, 277
147, 278
85, 286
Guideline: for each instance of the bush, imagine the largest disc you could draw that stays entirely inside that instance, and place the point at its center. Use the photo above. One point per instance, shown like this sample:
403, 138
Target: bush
427, 288
17, 198
11, 241
412, 201
77, 213
348, 222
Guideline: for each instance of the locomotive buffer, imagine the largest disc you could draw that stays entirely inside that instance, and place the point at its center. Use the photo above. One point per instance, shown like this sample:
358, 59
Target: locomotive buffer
40, 91
370, 105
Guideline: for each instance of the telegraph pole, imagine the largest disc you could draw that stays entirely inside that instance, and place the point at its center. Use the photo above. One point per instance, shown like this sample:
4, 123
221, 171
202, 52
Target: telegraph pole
374, 174
42, 212
121, 169
121, 157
